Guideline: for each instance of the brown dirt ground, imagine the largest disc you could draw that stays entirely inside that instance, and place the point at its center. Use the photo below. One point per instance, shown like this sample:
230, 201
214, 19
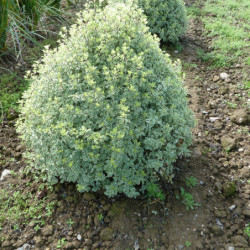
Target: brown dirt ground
136, 223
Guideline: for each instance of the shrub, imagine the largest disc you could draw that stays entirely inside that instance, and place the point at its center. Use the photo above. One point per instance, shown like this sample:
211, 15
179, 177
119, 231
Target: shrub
106, 109
166, 18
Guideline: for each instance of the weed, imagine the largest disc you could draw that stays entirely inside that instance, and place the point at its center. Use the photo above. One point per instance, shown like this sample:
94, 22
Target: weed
18, 208
69, 223
247, 230
232, 105
191, 181
198, 78
193, 11
187, 199
100, 217
11, 90
154, 191
188, 243
61, 243
189, 65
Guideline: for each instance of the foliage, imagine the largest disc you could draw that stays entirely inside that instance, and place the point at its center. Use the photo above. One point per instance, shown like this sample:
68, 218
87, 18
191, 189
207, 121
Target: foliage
61, 243
107, 109
247, 230
4, 4
20, 21
187, 199
166, 18
155, 191
18, 208
191, 181
11, 90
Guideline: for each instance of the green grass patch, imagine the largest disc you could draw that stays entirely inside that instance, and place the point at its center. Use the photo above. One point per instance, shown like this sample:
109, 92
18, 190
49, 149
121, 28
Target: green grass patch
19, 208
227, 22
12, 88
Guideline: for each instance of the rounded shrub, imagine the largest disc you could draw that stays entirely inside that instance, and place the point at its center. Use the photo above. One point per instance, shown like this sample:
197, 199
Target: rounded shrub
106, 109
166, 18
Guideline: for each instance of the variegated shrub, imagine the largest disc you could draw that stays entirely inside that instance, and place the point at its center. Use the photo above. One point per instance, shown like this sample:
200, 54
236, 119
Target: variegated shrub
106, 109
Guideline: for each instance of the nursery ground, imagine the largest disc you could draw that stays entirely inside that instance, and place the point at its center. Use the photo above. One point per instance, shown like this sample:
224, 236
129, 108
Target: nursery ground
41, 217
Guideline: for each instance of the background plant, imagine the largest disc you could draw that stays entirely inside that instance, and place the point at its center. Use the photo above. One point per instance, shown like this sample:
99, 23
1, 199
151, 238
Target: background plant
226, 22
187, 199
166, 18
20, 21
107, 109
4, 4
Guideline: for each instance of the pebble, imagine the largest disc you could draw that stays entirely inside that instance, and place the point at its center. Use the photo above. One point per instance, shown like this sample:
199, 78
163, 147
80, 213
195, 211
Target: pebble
216, 78
240, 149
180, 246
24, 247
79, 237
224, 76
231, 208
5, 173
238, 239
213, 119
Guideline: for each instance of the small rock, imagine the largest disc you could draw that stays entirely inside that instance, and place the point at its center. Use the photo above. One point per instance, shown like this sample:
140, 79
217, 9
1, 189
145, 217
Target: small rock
79, 237
218, 124
39, 241
198, 244
229, 189
136, 245
213, 119
73, 245
229, 247
240, 149
5, 173
96, 220
239, 240
24, 247
245, 172
47, 230
223, 90
32, 224
227, 143
197, 151
224, 76
246, 212
217, 230
20, 148
216, 78
171, 247
240, 117
180, 247
89, 196
231, 208
106, 234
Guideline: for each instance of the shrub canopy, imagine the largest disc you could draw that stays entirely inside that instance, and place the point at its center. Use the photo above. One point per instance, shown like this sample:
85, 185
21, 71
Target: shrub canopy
107, 109
166, 18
